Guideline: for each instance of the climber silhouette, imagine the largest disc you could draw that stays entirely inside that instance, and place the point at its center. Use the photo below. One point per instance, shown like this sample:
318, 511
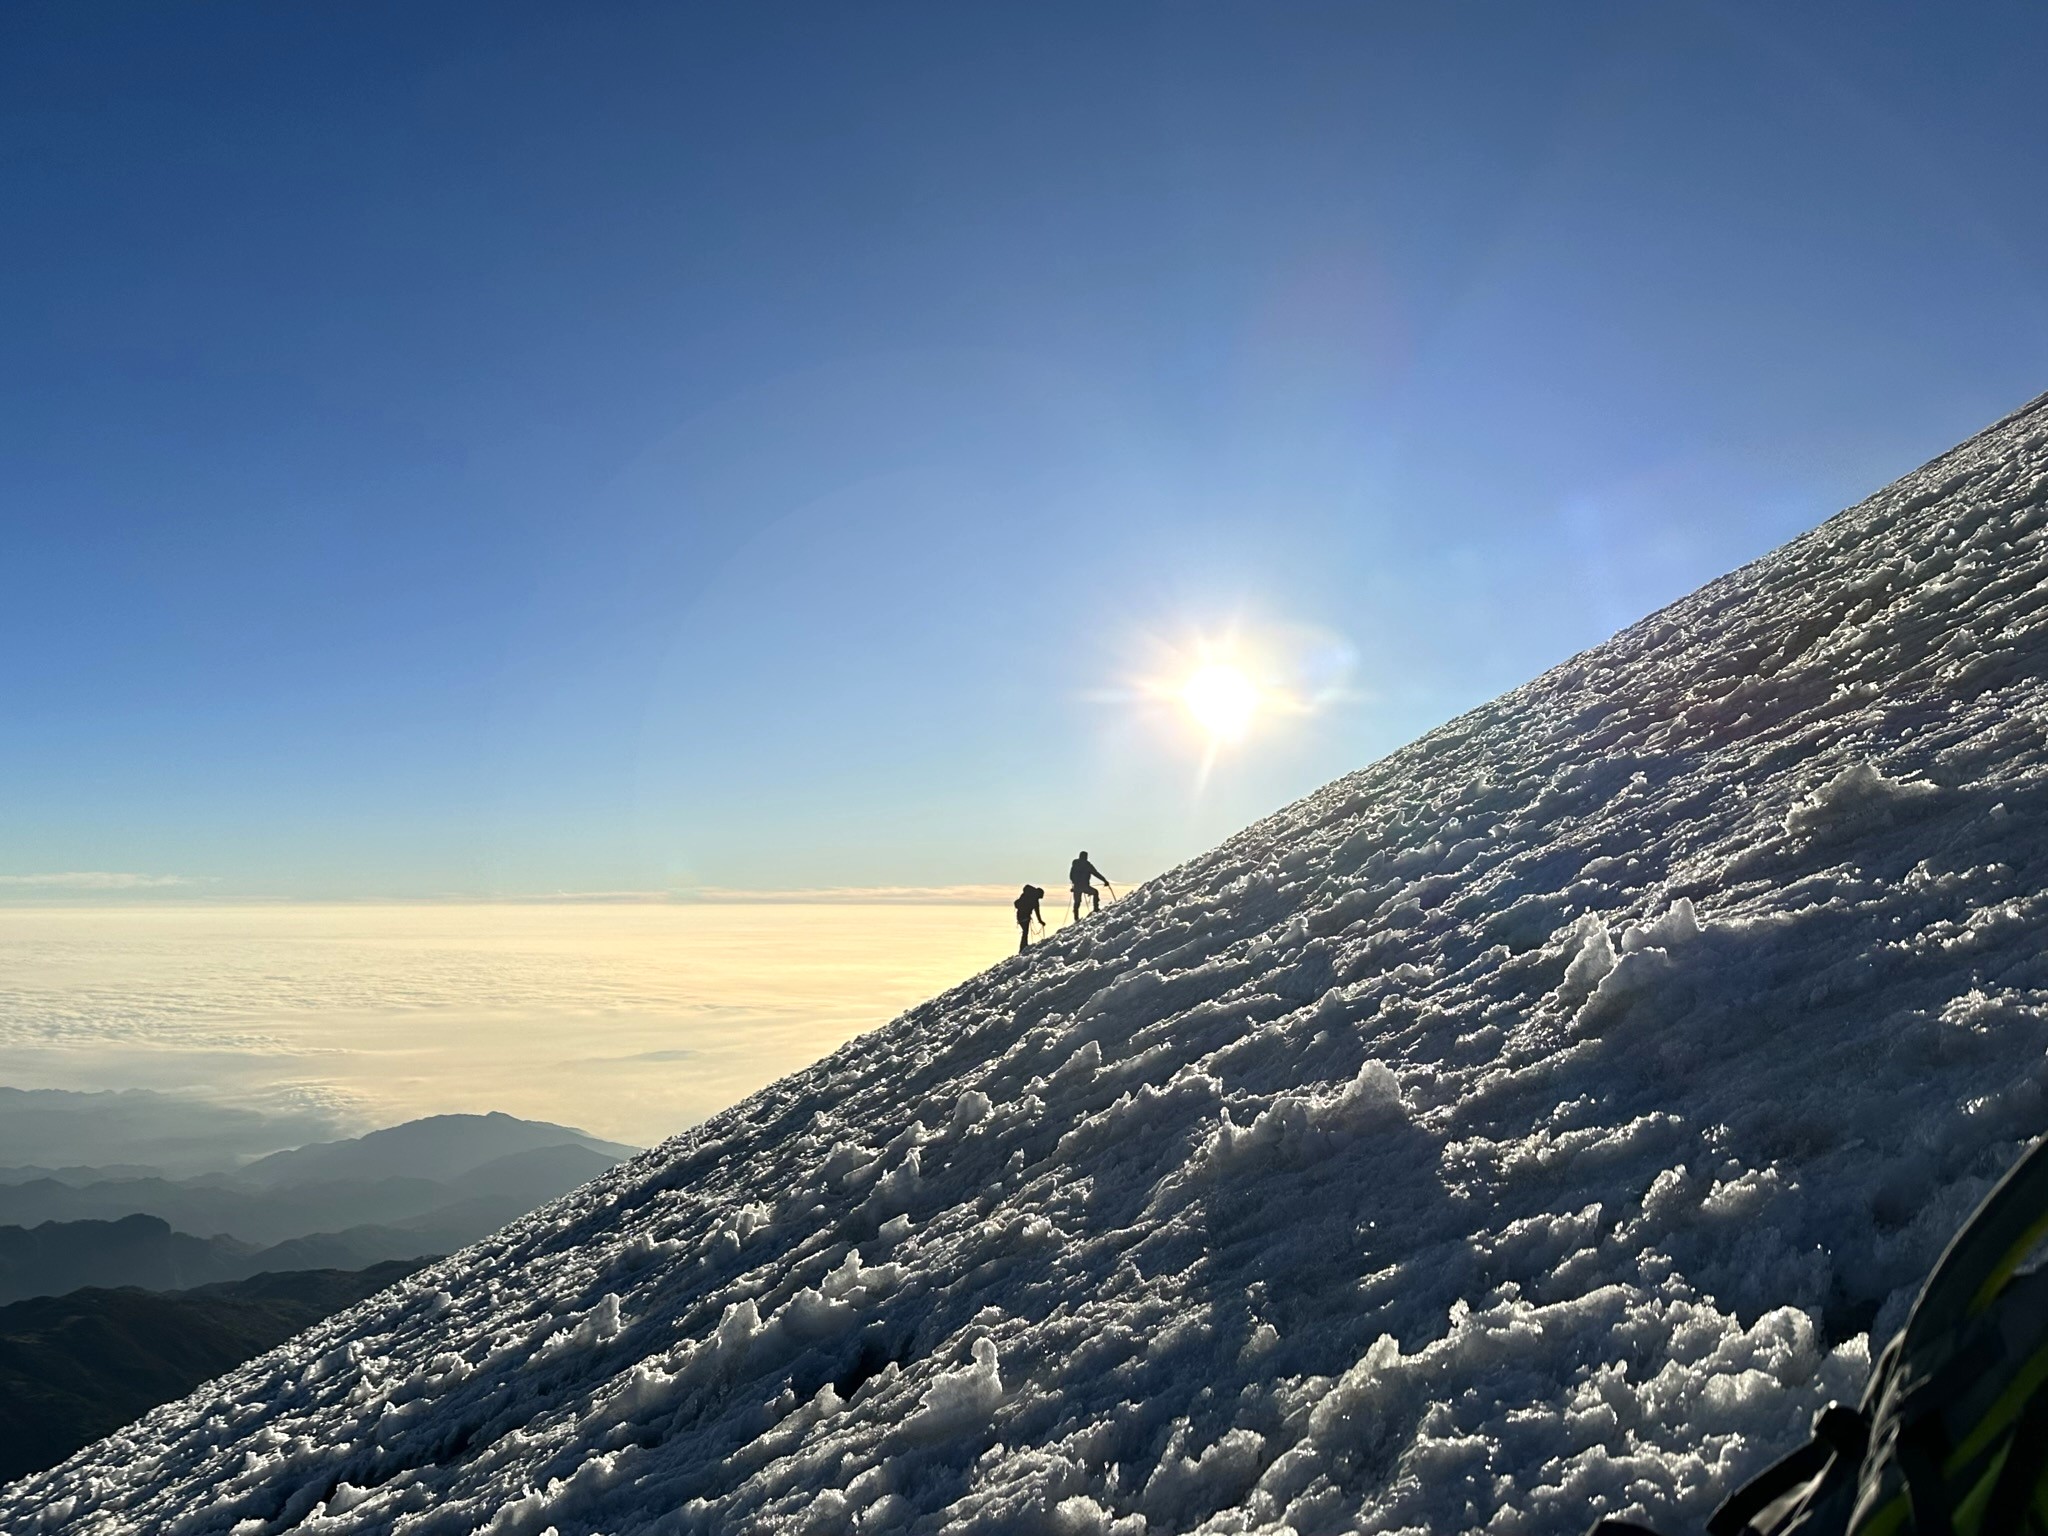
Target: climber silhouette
1027, 912
1080, 873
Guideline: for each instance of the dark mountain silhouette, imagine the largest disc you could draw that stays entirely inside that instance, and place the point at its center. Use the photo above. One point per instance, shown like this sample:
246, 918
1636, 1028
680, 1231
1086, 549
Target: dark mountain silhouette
136, 1250
61, 1256
74, 1368
158, 1233
439, 1147
255, 1216
427, 1186
79, 1175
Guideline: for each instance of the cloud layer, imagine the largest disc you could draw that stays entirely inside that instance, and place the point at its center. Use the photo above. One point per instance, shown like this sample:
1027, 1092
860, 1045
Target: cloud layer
633, 1020
93, 880
861, 895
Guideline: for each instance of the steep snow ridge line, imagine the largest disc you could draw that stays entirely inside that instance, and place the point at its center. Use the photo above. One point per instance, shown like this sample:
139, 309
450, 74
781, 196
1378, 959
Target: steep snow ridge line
1542, 1121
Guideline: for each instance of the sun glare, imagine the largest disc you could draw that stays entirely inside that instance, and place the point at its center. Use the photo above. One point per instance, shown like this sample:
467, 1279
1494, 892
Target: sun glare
1209, 694
1222, 700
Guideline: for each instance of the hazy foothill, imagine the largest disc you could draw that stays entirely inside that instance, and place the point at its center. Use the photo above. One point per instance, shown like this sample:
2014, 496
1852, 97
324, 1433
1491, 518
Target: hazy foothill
426, 1187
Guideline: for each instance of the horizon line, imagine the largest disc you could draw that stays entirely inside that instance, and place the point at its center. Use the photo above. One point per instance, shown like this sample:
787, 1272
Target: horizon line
183, 895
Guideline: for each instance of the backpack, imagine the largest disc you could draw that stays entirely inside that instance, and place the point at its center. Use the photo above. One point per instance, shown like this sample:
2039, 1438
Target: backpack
1951, 1438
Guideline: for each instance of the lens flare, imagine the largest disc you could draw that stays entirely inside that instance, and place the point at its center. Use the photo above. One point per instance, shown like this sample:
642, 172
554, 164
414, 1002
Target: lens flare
1221, 699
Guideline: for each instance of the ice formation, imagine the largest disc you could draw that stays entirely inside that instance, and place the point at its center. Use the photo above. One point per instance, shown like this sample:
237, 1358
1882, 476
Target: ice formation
1541, 1122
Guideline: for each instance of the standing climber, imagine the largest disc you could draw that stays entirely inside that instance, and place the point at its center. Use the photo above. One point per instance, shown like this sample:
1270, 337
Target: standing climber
1027, 913
1080, 873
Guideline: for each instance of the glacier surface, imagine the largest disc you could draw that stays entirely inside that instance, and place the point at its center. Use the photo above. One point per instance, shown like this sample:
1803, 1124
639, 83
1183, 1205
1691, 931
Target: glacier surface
1542, 1122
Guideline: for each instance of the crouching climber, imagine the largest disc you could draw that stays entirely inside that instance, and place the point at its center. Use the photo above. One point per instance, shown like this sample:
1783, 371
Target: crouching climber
1028, 913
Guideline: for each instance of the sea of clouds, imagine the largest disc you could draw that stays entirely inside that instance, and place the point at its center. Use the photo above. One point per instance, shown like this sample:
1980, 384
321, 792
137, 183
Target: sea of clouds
632, 1020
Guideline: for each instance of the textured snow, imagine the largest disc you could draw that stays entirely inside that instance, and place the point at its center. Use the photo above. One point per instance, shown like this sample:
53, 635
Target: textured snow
1541, 1122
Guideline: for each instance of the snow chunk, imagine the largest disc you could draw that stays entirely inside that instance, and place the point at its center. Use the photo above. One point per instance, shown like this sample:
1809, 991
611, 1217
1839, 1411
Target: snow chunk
960, 1399
834, 1303
1085, 1062
1183, 1489
895, 1229
1262, 1340
643, 1248
1678, 925
1594, 960
741, 1226
1855, 800
1080, 1515
899, 1186
1645, 959
1306, 1124
597, 1326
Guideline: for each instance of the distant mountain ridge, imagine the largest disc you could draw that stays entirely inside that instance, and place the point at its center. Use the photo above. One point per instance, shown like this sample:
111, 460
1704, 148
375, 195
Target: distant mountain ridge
438, 1147
78, 1173
170, 1133
208, 1210
206, 1207
61, 1256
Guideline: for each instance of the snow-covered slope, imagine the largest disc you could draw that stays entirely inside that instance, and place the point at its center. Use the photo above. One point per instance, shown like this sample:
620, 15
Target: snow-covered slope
1538, 1122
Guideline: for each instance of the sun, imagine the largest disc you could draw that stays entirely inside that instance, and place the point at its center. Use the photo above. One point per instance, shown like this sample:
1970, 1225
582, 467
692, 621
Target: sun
1221, 699
1220, 695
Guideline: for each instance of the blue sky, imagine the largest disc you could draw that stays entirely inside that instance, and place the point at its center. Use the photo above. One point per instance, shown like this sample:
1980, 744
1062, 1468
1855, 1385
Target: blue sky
474, 449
